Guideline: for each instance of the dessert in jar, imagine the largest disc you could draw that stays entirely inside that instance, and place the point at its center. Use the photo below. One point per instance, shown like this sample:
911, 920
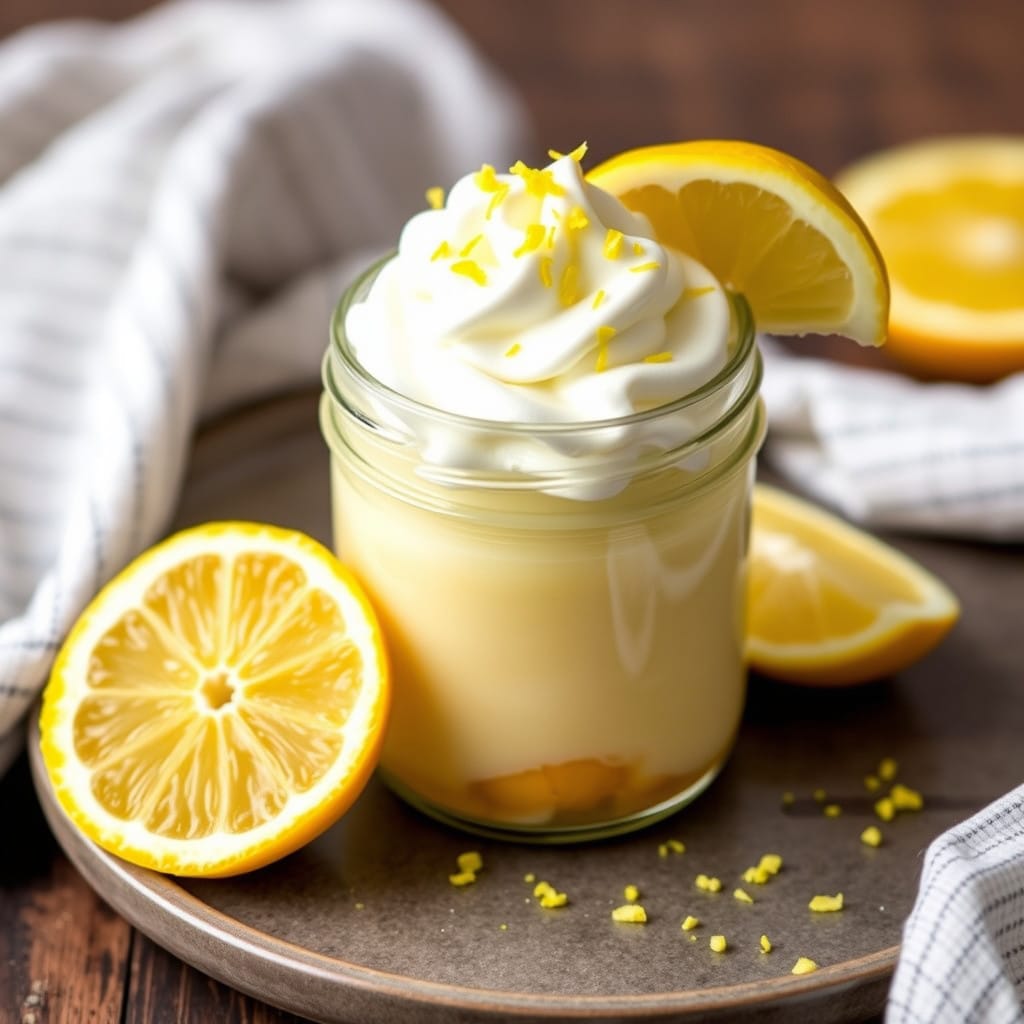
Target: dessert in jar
543, 426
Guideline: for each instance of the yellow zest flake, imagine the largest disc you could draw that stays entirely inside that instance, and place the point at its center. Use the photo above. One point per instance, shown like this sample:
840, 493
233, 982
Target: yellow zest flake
529, 878
832, 810
577, 154
871, 836
435, 197
766, 944
631, 913
788, 799
756, 876
659, 357
696, 293
689, 923
872, 783
804, 965
539, 183
676, 846
470, 269
550, 243
532, 240
885, 809
604, 336
496, 200
905, 799
513, 350
638, 249
545, 271
470, 861
718, 943
631, 893
708, 883
742, 895
770, 862
826, 904
503, 927
887, 769
577, 219
642, 268
612, 248
486, 180
567, 287
549, 896
470, 245
443, 251
463, 878
820, 795
599, 297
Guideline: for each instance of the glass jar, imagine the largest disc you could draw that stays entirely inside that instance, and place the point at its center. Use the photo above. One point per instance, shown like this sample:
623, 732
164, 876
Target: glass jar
566, 641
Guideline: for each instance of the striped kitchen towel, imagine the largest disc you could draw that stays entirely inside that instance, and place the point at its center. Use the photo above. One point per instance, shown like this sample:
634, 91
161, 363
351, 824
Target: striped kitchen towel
889, 452
181, 198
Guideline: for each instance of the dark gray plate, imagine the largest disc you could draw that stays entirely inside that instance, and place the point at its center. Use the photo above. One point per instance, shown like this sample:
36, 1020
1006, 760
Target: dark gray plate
362, 925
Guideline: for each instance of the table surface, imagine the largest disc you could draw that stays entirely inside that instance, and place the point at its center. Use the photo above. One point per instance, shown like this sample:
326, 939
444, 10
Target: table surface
825, 81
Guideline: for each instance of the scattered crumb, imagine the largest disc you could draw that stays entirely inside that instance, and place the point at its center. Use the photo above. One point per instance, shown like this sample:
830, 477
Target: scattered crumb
887, 769
905, 799
833, 810
885, 809
360, 906
770, 862
871, 836
742, 895
631, 893
718, 943
631, 913
675, 846
463, 878
872, 783
503, 927
766, 944
820, 795
690, 923
550, 898
756, 875
470, 861
805, 965
529, 878
826, 904
708, 883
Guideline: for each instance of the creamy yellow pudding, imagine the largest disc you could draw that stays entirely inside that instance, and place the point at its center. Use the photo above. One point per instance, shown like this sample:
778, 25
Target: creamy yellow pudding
543, 426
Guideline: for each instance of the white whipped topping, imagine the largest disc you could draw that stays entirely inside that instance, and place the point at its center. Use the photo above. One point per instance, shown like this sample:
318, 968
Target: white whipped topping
537, 298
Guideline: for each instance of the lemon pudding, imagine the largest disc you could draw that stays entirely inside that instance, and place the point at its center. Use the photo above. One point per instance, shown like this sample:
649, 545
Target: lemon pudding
543, 425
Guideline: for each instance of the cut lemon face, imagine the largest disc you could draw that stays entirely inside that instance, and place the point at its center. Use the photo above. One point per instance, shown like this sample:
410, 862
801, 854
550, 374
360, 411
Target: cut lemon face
767, 226
220, 702
948, 215
830, 605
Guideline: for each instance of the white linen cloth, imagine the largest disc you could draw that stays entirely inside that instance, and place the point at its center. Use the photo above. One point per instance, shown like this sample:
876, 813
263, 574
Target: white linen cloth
893, 453
181, 200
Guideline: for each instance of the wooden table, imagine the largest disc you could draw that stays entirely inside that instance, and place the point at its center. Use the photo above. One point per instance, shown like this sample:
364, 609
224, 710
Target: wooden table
826, 81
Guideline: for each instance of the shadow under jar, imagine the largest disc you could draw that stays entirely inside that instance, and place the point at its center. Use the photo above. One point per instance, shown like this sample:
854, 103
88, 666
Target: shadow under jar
565, 633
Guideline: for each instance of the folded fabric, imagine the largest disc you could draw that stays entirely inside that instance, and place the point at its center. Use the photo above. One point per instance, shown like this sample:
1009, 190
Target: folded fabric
963, 945
181, 198
890, 452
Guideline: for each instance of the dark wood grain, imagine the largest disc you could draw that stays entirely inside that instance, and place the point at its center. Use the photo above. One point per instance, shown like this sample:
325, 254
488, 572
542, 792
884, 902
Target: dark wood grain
828, 81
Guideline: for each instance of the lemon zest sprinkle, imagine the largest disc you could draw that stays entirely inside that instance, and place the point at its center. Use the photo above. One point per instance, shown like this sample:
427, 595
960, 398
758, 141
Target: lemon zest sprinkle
470, 245
545, 271
470, 861
718, 943
496, 200
872, 783
766, 944
533, 238
435, 197
549, 897
539, 183
905, 799
630, 913
756, 875
514, 349
771, 862
696, 293
708, 883
641, 268
820, 795
826, 904
486, 180
742, 895
689, 923
804, 965
604, 336
631, 893
463, 878
529, 878
676, 846
599, 297
885, 809
612, 248
577, 219
551, 236
658, 357
470, 269
832, 810
503, 927
871, 836
577, 154
567, 286
887, 769
443, 251
638, 249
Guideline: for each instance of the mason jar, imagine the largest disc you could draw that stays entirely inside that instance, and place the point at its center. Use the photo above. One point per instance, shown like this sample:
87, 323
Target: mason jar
565, 633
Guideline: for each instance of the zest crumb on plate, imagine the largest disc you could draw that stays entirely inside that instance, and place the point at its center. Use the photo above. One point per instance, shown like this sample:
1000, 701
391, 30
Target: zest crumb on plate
804, 965
871, 836
718, 943
630, 913
689, 923
742, 895
549, 897
766, 944
826, 904
708, 883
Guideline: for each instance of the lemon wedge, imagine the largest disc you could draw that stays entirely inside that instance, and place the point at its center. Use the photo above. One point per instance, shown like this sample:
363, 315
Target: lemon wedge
830, 605
948, 215
219, 703
767, 226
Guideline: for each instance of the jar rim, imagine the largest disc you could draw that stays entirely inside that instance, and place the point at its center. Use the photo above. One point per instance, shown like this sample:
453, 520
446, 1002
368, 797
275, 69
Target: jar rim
338, 348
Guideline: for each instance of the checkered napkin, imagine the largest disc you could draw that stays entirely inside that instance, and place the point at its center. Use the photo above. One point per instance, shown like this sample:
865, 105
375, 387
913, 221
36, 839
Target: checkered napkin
181, 199
945, 459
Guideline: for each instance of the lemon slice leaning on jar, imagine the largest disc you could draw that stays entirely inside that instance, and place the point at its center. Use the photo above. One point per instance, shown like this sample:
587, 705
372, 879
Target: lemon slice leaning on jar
219, 703
767, 226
